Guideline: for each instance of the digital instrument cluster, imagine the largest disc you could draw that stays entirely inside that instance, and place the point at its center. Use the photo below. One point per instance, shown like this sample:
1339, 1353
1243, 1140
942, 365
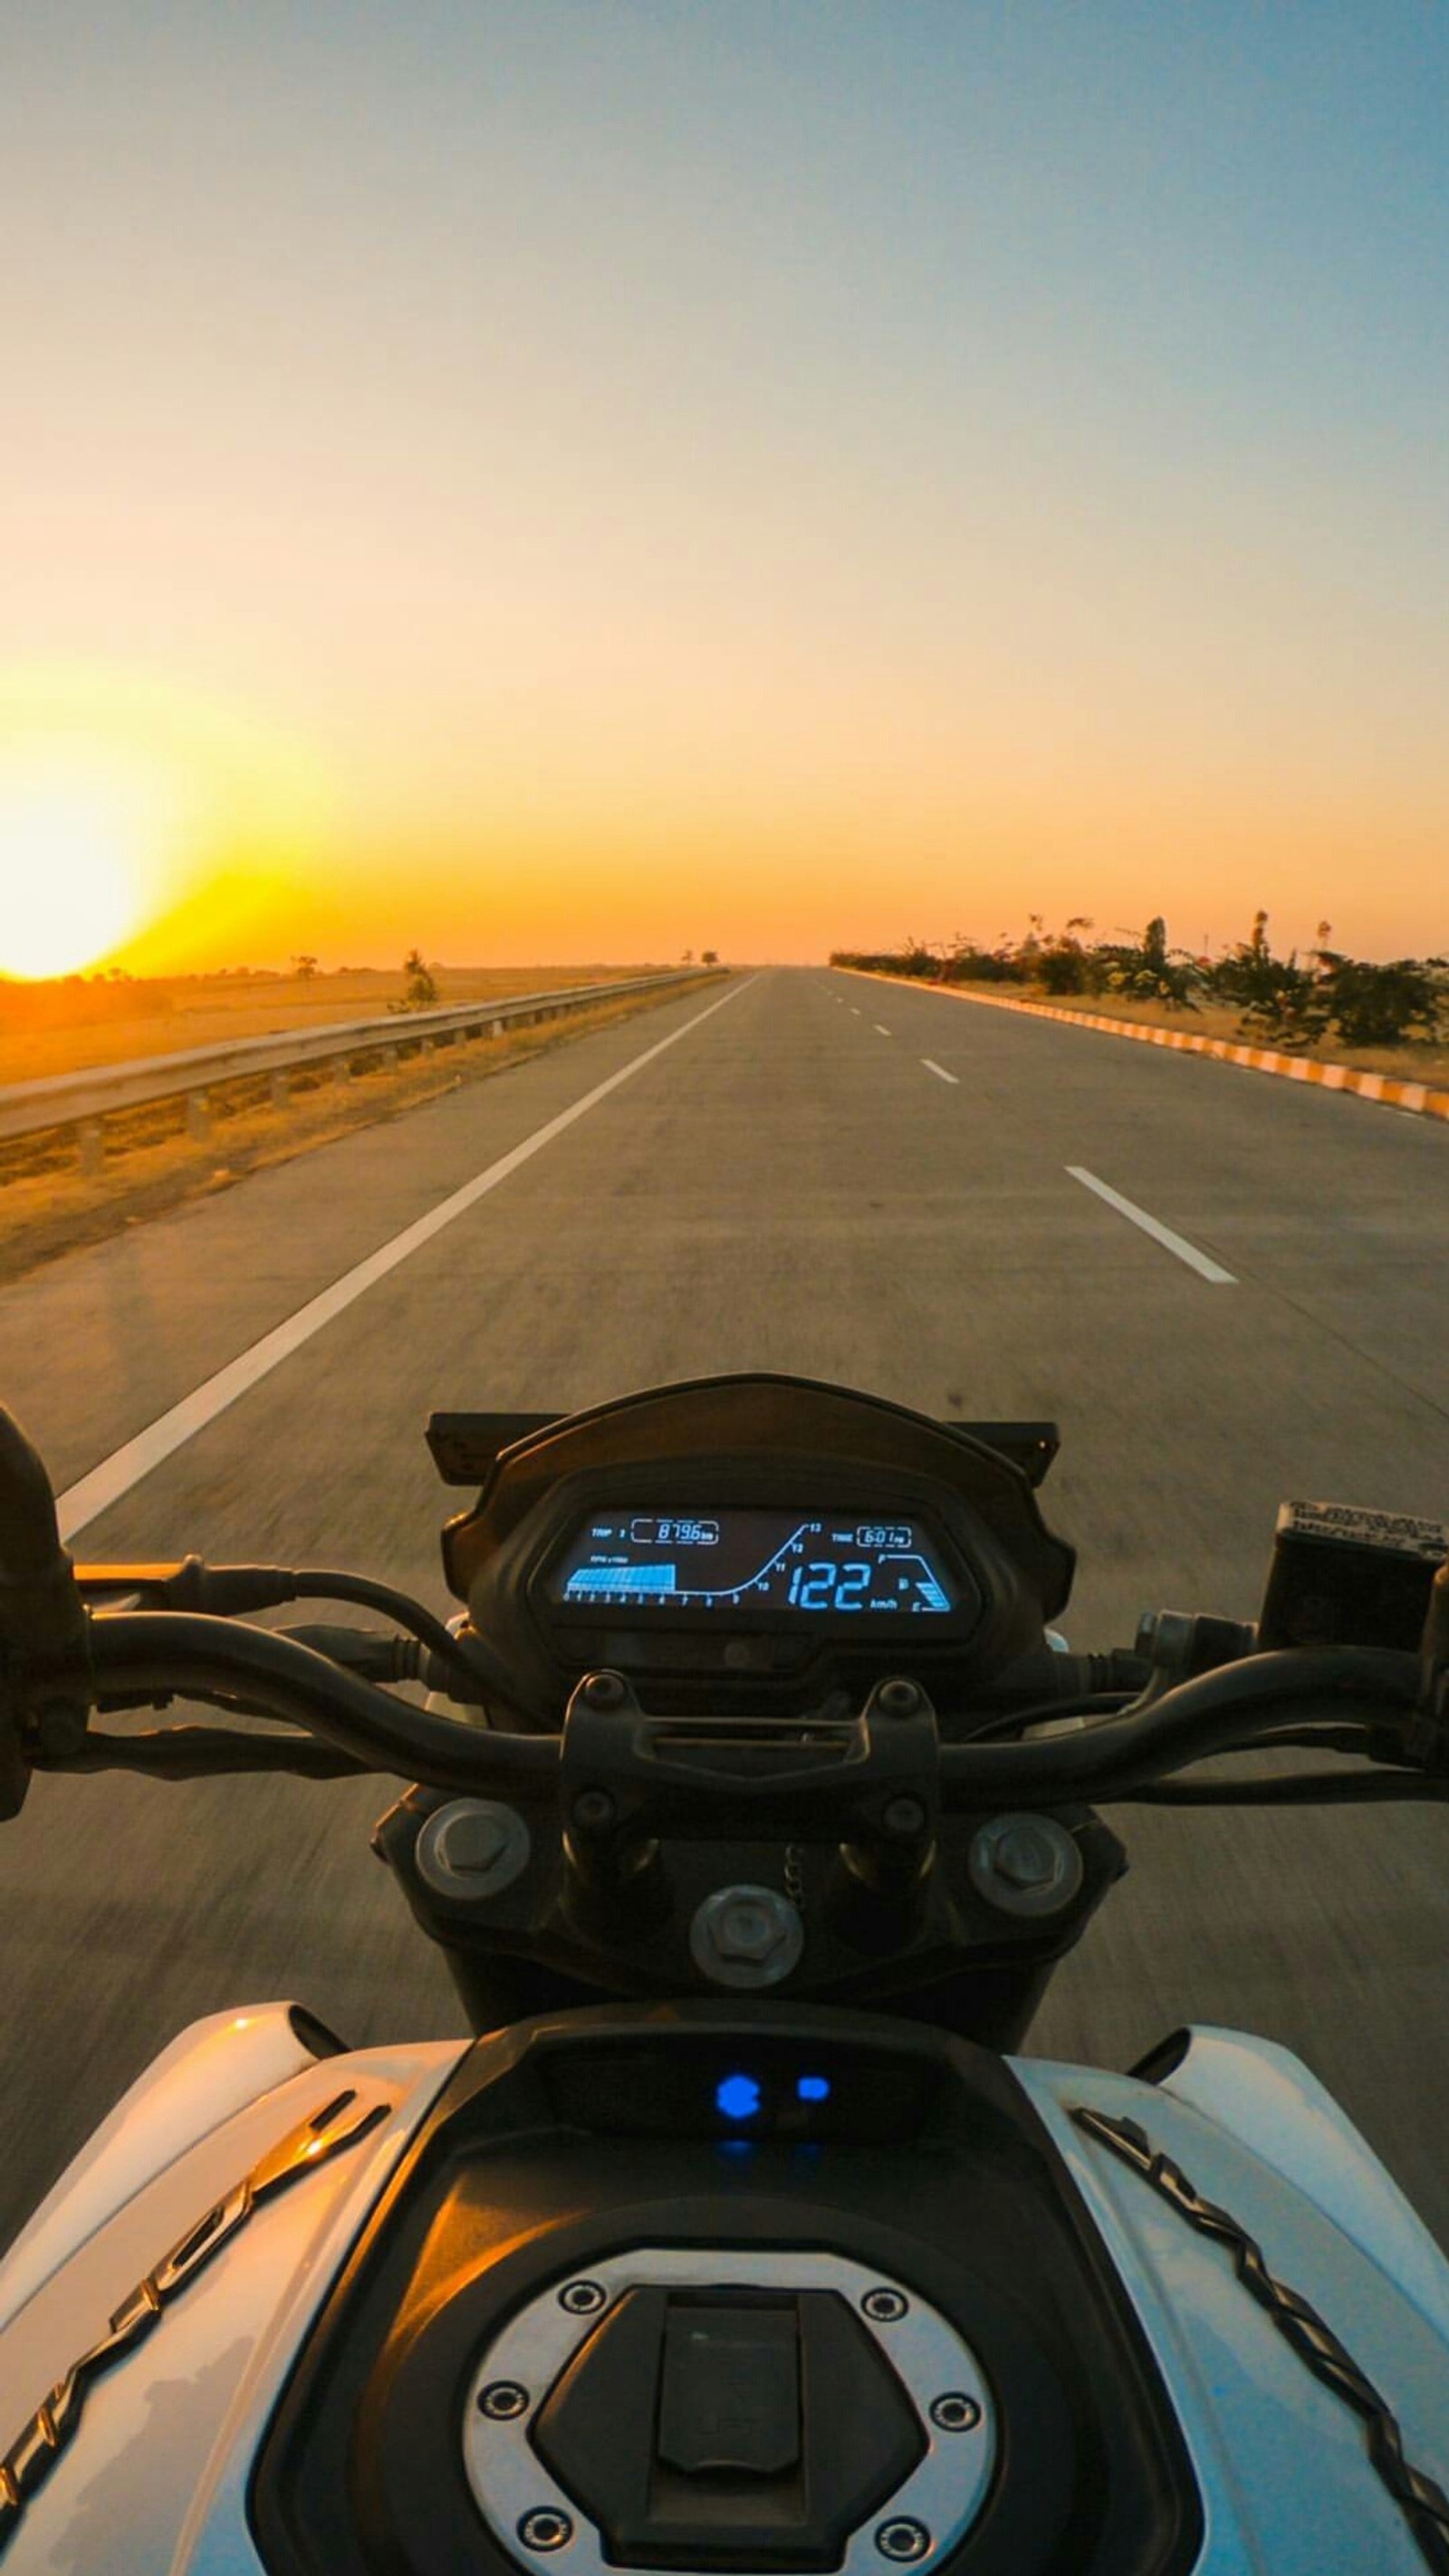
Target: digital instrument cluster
751, 1543
730, 1562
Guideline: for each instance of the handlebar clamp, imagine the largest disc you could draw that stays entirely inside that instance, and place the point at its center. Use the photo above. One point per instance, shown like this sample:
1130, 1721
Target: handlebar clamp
871, 1780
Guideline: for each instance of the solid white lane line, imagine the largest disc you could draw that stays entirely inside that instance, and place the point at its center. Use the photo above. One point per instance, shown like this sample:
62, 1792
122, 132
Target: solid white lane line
83, 1502
939, 1070
1163, 1234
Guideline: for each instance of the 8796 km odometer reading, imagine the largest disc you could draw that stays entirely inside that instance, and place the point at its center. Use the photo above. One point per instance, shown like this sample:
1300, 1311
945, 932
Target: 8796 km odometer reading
739, 1560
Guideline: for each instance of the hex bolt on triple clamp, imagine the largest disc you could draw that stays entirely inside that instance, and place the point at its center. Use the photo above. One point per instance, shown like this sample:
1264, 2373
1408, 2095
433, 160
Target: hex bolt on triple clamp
746, 1936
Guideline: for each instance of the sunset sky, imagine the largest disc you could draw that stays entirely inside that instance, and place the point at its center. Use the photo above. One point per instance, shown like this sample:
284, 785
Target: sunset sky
575, 479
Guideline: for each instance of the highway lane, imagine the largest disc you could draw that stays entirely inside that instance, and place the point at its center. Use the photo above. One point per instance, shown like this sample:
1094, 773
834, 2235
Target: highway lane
858, 1181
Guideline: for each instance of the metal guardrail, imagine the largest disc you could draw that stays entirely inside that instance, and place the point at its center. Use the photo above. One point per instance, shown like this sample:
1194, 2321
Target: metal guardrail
84, 1100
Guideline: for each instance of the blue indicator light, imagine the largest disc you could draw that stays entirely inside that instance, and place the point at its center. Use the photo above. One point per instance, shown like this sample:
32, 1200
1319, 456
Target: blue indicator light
737, 2097
813, 2088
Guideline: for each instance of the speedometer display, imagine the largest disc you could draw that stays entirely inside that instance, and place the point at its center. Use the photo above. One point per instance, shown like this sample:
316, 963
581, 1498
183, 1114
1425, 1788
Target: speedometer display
737, 1560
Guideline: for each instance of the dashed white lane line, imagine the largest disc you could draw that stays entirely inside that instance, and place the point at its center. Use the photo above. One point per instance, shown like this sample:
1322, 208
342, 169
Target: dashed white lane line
1212, 1271
881, 1030
939, 1070
83, 1502
855, 1010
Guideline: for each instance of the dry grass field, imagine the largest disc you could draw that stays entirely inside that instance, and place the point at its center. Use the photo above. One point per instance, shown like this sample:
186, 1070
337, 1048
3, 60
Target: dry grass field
63, 1027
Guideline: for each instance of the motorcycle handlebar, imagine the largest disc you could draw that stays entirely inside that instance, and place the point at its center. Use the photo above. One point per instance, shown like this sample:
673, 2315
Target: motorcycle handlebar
1217, 1712
40, 1609
136, 1655
139, 1656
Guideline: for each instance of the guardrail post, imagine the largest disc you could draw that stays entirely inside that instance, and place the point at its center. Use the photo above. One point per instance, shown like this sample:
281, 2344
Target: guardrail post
497, 1029
279, 1090
90, 1137
198, 1117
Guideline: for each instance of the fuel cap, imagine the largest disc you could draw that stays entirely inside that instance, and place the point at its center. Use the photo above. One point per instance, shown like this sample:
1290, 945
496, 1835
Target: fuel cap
780, 2427
730, 2408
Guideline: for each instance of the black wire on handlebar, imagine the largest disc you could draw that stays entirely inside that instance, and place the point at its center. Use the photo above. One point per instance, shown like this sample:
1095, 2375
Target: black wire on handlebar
1293, 1789
134, 1653
1048, 1711
1120, 1755
205, 1753
469, 1655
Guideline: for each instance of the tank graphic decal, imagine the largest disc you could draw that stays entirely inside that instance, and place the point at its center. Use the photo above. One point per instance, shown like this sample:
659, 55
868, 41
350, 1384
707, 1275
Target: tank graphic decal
321, 2134
1421, 2500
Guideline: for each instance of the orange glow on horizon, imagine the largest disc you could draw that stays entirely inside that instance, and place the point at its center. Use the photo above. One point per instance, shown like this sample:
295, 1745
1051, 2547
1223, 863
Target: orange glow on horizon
143, 824
152, 827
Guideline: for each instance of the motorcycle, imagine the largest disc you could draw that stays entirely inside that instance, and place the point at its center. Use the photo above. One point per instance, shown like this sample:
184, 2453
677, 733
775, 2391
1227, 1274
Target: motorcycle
752, 1798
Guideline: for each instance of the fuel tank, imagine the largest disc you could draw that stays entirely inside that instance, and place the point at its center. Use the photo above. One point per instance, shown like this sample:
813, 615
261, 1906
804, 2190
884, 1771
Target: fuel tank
686, 2286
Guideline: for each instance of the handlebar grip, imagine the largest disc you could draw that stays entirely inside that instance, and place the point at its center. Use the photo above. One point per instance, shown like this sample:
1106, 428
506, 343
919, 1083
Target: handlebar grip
42, 1616
41, 1613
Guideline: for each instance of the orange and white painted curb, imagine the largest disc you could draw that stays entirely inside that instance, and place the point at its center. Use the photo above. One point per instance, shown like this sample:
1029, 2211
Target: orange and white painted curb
1418, 1098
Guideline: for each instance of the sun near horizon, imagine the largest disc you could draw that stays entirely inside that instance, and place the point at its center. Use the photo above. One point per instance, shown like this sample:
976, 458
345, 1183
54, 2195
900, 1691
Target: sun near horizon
76, 869
145, 823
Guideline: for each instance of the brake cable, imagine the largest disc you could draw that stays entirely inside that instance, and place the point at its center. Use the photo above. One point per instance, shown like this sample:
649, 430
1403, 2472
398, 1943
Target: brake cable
208, 1752
1303, 1789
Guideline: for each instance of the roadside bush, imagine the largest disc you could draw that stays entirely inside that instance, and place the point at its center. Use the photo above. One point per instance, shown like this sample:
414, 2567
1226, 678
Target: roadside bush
968, 964
1250, 973
1403, 1003
1283, 1001
1063, 970
1295, 1015
420, 993
1148, 970
910, 960
1280, 1000
1065, 965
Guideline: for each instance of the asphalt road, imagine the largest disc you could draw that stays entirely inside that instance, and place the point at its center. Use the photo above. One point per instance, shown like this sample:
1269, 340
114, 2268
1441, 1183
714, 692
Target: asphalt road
795, 1184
